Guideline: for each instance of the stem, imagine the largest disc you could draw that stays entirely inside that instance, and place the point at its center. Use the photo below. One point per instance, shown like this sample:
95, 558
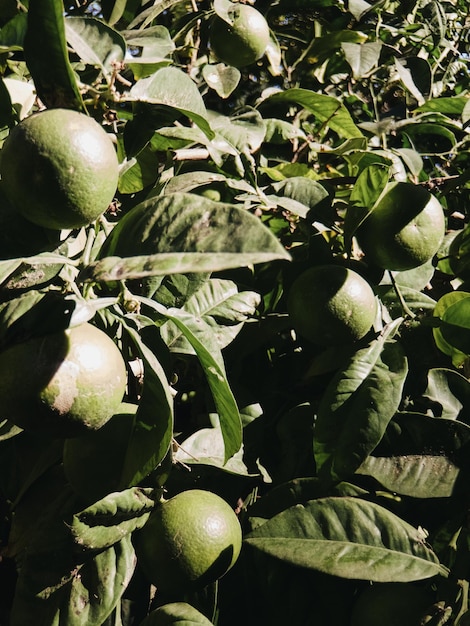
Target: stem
403, 304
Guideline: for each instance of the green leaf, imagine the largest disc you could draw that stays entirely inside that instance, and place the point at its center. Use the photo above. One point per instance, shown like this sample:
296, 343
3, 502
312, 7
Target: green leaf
147, 16
66, 590
45, 50
417, 476
244, 131
181, 233
95, 43
357, 406
113, 10
350, 538
327, 109
171, 87
212, 362
114, 268
457, 313
279, 131
297, 491
416, 301
432, 131
362, 57
178, 613
309, 194
22, 97
368, 188
138, 172
8, 430
416, 75
206, 447
221, 309
466, 112
7, 268
221, 78
358, 8
148, 50
153, 429
412, 160
448, 106
12, 33
107, 521
422, 434
449, 393
453, 335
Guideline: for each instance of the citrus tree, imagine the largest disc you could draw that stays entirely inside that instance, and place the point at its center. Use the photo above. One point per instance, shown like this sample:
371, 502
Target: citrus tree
234, 312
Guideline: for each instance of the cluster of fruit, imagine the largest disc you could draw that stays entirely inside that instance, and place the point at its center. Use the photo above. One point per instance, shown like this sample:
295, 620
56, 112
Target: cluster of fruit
332, 304
71, 383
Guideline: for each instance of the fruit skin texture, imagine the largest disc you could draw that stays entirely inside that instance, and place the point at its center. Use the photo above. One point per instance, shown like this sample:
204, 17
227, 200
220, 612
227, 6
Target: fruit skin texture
391, 604
331, 305
62, 384
242, 42
94, 461
59, 169
404, 230
189, 541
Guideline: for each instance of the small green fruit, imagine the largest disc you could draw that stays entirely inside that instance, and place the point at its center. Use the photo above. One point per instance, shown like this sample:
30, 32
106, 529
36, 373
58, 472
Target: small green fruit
244, 40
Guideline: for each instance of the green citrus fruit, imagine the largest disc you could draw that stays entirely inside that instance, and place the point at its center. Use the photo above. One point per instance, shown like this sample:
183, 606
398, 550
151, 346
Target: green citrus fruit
62, 384
391, 604
94, 461
59, 169
404, 230
189, 541
211, 193
331, 305
242, 41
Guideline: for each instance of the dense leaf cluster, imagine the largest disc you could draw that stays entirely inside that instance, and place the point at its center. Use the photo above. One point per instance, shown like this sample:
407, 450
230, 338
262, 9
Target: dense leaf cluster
348, 465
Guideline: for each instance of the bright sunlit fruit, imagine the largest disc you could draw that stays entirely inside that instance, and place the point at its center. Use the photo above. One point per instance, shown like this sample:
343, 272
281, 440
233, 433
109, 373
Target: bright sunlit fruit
62, 384
59, 169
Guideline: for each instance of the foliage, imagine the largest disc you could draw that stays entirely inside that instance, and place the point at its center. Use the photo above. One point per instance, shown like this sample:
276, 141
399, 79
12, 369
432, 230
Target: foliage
347, 465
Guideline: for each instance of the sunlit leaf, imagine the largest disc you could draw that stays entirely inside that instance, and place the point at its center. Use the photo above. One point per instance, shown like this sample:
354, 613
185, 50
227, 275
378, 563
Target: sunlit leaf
327, 109
95, 42
362, 57
171, 87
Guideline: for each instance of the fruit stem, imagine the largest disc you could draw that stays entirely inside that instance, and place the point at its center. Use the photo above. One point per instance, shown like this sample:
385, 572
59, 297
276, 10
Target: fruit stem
407, 311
